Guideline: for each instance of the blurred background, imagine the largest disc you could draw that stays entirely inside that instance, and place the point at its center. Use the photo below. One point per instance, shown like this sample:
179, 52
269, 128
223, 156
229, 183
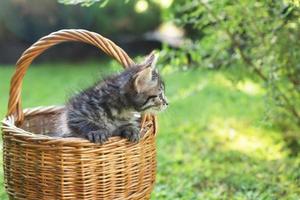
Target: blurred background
232, 75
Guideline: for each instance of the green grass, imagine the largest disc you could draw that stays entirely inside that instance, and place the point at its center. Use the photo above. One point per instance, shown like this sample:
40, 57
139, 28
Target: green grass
213, 141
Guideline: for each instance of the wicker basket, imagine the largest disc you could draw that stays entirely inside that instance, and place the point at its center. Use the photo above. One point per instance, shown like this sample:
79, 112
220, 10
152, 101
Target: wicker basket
39, 167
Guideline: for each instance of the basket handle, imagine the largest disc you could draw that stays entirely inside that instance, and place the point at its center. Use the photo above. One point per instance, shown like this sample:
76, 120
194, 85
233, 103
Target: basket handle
79, 35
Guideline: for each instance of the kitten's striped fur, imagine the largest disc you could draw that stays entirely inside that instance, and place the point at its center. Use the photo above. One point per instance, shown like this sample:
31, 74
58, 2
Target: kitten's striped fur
114, 106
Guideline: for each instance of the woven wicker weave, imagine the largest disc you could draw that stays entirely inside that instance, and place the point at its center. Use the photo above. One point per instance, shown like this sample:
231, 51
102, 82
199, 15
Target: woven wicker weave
38, 167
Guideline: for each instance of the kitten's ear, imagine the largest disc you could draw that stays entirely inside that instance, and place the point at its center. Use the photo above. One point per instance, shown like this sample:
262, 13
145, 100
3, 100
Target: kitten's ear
151, 60
143, 79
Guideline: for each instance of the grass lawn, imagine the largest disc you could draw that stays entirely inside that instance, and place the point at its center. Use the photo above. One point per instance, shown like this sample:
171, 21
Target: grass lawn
213, 141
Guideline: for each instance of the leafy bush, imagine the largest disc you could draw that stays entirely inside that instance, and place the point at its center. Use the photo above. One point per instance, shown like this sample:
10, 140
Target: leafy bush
261, 36
295, 2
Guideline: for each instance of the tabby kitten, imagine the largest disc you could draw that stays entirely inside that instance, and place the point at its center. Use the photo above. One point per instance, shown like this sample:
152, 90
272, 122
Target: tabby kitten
113, 107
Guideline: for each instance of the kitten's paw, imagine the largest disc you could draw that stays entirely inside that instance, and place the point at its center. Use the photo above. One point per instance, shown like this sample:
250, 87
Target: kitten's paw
99, 136
131, 133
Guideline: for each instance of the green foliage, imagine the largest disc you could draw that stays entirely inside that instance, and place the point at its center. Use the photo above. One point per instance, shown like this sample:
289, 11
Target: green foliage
261, 36
39, 18
295, 2
212, 143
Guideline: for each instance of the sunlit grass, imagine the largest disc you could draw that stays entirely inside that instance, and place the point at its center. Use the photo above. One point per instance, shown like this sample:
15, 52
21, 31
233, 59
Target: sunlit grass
215, 145
250, 87
213, 142
252, 141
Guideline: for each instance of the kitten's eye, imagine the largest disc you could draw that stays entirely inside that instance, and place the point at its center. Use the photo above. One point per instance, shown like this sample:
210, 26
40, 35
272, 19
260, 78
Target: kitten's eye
152, 97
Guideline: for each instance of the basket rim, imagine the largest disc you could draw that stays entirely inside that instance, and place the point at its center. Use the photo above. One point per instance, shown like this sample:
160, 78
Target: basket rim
8, 125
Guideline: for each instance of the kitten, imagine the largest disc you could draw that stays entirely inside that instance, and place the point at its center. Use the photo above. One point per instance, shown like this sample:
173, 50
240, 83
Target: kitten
113, 107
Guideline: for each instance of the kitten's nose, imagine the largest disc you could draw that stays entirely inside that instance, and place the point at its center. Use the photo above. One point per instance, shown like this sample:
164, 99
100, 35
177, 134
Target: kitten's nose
166, 102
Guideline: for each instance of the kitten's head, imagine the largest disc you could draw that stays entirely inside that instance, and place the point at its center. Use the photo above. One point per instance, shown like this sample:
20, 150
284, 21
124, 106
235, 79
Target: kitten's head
147, 88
